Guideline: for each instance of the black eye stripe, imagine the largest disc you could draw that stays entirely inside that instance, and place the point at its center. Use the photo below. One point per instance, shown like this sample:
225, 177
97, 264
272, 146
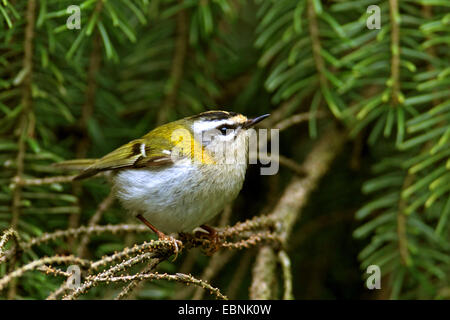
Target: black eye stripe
227, 126
225, 129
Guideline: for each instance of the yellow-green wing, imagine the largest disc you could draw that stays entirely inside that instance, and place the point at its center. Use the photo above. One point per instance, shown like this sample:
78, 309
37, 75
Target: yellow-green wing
135, 154
152, 150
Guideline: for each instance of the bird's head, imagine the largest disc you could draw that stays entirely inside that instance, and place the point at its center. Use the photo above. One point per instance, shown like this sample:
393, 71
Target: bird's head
222, 132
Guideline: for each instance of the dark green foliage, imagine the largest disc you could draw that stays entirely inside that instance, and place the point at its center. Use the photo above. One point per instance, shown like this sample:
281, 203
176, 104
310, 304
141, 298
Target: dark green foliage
135, 64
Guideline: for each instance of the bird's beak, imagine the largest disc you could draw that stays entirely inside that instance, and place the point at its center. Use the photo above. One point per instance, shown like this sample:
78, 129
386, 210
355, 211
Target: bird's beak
251, 122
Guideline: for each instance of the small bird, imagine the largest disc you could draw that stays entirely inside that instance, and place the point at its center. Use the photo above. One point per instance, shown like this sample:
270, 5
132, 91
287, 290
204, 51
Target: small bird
179, 175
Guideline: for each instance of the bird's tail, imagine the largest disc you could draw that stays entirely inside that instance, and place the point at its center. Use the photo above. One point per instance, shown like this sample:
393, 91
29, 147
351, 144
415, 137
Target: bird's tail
76, 164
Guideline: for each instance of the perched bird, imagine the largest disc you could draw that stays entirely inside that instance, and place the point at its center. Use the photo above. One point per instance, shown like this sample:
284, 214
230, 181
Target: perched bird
181, 174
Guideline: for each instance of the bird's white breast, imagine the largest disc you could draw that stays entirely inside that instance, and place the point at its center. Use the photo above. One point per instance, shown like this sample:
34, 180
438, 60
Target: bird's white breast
180, 197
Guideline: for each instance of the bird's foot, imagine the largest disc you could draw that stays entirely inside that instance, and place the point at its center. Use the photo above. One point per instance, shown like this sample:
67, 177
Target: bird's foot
161, 236
176, 243
212, 236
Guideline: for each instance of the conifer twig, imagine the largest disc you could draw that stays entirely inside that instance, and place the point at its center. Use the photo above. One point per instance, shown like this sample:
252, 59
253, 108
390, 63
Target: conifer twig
40, 262
41, 181
296, 119
128, 289
178, 277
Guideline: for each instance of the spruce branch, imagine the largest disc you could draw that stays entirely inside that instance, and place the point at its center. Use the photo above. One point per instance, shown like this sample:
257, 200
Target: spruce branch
34, 265
132, 285
76, 232
179, 277
53, 271
93, 280
6, 236
159, 247
58, 292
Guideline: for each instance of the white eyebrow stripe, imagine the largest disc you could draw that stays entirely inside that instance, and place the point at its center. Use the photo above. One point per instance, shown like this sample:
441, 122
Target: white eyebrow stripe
166, 152
201, 126
143, 150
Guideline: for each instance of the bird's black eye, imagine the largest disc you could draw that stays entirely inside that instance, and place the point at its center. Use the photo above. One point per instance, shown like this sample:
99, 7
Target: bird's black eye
226, 129
223, 130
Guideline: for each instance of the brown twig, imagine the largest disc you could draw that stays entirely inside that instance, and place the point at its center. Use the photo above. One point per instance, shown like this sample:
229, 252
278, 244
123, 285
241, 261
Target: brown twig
284, 161
285, 262
263, 275
316, 44
18, 181
26, 126
297, 118
87, 110
295, 196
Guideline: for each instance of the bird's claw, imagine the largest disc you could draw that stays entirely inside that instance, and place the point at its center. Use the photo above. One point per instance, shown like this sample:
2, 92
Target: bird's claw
175, 243
212, 236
